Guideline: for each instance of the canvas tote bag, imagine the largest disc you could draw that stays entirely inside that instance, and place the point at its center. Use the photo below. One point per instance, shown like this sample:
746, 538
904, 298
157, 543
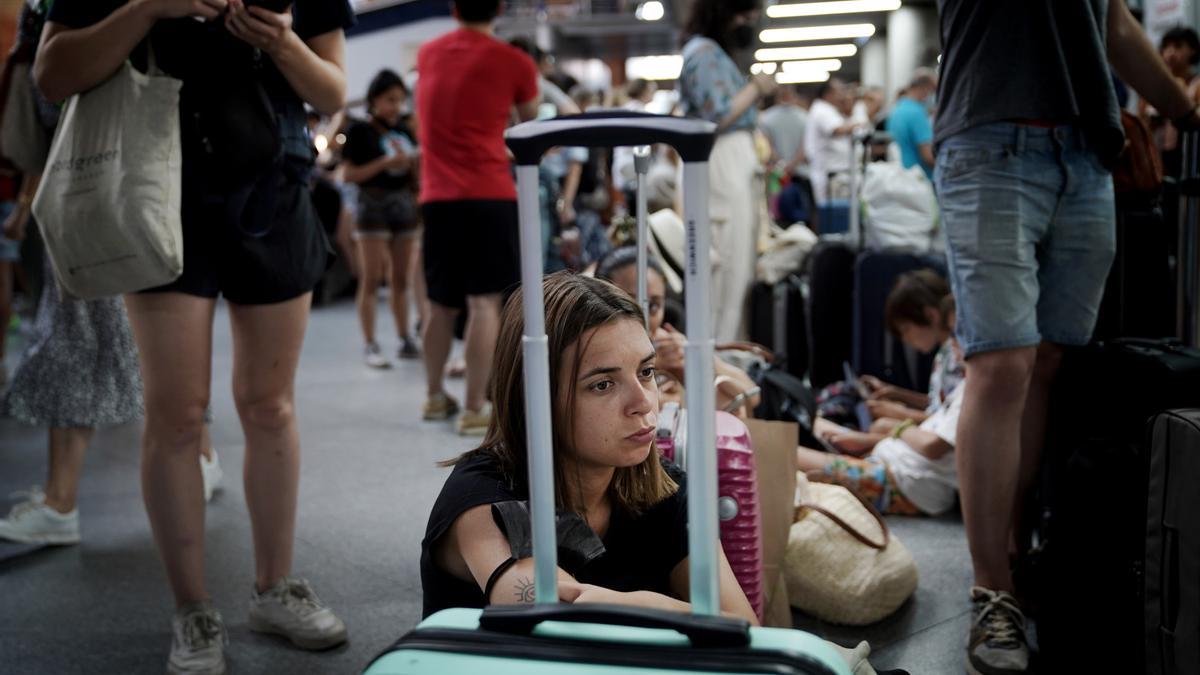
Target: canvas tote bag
109, 202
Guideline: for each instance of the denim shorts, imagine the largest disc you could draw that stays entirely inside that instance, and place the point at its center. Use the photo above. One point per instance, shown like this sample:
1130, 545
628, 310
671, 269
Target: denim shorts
1030, 230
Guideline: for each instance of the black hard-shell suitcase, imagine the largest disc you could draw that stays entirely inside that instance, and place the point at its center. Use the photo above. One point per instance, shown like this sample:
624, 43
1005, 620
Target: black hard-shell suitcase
875, 350
1087, 572
1139, 296
1172, 565
830, 311
778, 322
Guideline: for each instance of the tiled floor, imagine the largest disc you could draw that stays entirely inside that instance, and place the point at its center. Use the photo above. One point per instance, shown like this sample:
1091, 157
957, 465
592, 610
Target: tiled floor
369, 478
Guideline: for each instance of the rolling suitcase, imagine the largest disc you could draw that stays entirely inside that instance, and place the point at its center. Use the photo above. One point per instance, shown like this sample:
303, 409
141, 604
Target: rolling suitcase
778, 322
875, 350
830, 311
551, 637
1172, 590
1091, 538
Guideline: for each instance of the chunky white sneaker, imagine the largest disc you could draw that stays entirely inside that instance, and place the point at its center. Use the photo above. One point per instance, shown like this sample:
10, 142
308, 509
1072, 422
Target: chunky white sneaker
374, 358
198, 644
211, 470
997, 645
32, 522
291, 609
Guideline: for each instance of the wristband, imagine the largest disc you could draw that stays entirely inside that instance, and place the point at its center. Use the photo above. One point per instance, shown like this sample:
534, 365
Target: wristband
901, 428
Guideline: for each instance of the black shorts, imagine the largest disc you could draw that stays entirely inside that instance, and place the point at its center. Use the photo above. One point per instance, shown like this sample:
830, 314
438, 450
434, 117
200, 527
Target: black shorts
252, 264
387, 214
470, 247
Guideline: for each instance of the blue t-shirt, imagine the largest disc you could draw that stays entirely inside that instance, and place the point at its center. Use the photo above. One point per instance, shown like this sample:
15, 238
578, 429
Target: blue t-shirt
910, 127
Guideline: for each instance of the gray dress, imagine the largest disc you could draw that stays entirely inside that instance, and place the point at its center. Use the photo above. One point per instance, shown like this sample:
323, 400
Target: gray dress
80, 367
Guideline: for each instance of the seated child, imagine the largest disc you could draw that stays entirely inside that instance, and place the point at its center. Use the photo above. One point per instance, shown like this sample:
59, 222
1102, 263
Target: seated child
619, 266
908, 471
622, 510
919, 311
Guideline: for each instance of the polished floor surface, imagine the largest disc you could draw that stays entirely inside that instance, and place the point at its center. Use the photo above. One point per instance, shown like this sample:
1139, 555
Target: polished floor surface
368, 480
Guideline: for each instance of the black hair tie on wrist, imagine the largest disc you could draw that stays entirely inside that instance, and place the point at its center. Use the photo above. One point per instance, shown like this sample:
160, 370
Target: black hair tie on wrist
492, 580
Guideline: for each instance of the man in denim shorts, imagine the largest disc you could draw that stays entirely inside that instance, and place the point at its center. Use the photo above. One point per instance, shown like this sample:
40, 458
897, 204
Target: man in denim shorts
1027, 129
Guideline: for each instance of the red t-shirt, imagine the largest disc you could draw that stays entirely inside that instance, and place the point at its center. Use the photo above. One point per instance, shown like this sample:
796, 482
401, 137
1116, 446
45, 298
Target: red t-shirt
467, 85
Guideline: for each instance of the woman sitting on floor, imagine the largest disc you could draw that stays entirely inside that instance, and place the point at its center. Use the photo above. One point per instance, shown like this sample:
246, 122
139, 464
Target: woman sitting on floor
622, 511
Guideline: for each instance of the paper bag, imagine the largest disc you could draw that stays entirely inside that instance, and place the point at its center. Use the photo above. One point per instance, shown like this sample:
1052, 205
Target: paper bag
775, 462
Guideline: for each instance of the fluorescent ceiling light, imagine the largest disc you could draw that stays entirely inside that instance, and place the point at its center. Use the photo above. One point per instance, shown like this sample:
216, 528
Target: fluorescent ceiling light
839, 32
801, 78
794, 53
666, 67
651, 10
826, 8
764, 68
826, 65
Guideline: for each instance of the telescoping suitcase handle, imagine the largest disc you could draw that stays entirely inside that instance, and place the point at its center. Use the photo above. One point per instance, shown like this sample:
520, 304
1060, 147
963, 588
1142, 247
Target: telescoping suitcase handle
712, 632
1188, 257
693, 140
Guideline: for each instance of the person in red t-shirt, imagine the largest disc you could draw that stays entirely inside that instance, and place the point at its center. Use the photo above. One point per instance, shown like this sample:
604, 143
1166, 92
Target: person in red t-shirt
468, 84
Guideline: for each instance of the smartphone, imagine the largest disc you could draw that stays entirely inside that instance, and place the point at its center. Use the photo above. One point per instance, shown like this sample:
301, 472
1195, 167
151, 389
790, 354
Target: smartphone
277, 6
853, 380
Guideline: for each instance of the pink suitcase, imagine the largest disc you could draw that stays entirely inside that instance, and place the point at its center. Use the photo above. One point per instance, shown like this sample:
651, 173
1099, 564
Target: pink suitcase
737, 493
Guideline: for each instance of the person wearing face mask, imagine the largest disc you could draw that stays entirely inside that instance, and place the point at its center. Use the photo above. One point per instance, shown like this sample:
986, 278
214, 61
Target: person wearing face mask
910, 125
713, 87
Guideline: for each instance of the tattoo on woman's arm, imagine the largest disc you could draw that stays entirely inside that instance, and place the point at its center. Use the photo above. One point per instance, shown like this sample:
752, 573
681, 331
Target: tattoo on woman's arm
524, 590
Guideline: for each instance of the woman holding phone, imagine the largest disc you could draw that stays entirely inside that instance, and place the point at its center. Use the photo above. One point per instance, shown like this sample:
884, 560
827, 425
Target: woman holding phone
251, 235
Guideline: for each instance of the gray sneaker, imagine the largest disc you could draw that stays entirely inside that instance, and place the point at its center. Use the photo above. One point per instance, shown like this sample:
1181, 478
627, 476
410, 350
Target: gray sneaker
998, 645
198, 646
291, 609
408, 349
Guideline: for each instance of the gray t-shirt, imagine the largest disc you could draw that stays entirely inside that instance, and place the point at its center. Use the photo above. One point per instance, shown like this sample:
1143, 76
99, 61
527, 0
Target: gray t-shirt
784, 127
1035, 60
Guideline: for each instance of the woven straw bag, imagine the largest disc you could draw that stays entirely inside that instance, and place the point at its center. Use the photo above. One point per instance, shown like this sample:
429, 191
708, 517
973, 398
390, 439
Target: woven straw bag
842, 564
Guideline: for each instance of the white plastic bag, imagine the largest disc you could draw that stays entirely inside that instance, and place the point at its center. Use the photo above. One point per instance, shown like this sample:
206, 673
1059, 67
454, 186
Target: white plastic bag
899, 208
109, 201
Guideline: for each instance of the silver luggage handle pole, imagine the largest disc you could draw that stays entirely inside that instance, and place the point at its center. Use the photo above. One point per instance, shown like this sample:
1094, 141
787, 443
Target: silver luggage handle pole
641, 165
703, 532
693, 140
536, 354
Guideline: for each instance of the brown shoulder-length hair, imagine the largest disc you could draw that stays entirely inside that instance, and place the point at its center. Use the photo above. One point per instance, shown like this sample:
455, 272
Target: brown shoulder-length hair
575, 304
915, 292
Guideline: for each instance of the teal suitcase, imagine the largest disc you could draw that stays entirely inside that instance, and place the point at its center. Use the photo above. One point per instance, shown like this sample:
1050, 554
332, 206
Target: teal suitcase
552, 637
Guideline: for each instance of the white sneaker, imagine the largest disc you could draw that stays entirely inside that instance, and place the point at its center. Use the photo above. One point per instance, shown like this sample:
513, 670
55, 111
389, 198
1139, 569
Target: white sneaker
374, 358
291, 609
198, 643
32, 522
211, 470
